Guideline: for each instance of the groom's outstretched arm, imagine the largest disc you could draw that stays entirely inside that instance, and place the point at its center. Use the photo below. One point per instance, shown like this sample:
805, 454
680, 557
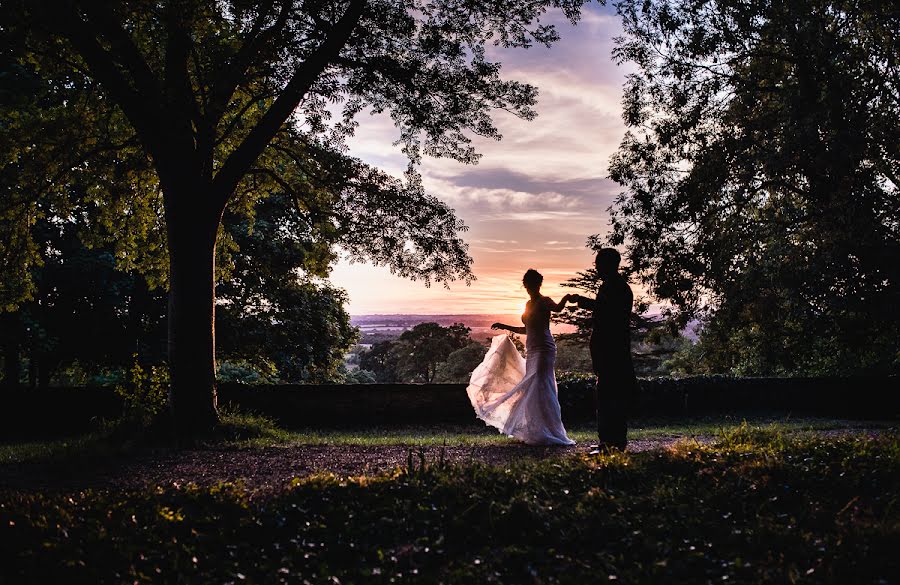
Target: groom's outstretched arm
585, 302
520, 330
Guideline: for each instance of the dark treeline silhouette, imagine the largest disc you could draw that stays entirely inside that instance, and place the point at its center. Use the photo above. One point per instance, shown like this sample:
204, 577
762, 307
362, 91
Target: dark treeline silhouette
89, 321
761, 192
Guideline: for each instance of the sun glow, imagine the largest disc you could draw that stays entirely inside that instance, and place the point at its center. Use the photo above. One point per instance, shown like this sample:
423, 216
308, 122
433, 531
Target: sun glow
374, 290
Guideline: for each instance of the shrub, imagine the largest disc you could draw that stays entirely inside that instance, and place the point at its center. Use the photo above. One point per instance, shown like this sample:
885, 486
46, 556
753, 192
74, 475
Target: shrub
145, 391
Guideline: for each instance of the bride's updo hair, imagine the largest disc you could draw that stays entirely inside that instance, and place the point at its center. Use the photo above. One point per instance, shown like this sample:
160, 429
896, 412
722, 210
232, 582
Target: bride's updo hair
532, 279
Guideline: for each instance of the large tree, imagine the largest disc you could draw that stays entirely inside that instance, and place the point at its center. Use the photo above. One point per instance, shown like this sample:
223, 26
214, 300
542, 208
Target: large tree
760, 177
227, 100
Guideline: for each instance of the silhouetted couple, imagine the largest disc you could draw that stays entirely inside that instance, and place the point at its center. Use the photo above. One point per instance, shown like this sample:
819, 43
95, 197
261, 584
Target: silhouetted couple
520, 397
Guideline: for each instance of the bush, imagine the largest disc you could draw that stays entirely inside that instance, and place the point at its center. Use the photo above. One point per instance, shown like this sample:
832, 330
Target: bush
244, 372
145, 392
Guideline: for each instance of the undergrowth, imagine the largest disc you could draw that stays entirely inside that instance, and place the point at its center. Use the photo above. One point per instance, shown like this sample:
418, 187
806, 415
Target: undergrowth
754, 506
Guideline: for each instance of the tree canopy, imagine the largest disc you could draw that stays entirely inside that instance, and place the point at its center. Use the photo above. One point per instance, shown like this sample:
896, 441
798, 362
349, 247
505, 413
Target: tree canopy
276, 320
760, 178
261, 96
162, 116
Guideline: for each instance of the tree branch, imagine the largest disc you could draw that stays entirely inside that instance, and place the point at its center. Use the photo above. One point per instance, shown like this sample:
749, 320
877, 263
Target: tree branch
182, 105
288, 189
304, 77
133, 61
236, 119
223, 88
143, 116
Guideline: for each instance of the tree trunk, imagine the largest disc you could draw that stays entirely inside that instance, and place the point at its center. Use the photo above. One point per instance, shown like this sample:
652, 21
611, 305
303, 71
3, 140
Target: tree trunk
191, 346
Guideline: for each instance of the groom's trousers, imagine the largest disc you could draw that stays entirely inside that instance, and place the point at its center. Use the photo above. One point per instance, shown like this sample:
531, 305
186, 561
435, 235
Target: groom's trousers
614, 394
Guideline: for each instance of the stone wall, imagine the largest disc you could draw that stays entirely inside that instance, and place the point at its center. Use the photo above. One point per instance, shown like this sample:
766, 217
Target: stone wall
66, 411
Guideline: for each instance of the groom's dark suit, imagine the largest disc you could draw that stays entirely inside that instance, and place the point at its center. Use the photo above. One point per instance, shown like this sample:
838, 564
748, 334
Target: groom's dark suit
611, 357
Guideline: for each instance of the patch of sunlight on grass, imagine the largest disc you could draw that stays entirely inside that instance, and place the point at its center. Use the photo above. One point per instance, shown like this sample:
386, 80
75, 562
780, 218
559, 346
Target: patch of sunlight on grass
46, 450
408, 435
465, 436
716, 426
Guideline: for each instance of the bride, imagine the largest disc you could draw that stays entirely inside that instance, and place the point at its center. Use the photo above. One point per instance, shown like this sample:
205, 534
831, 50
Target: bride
518, 396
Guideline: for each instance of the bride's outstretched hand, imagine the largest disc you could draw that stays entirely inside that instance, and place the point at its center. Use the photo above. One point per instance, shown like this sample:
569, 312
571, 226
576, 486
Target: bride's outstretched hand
498, 326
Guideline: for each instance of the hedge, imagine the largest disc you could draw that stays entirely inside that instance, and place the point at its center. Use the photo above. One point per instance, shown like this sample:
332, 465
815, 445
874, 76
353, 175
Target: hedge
65, 411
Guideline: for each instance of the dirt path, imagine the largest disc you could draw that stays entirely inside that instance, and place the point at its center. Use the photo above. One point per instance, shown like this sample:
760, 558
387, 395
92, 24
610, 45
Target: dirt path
269, 469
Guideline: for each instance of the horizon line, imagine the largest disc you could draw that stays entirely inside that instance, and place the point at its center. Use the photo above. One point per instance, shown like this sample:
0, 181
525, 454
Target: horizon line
424, 314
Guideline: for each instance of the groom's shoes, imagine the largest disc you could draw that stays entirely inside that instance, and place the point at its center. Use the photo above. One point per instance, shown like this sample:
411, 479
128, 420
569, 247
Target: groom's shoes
607, 447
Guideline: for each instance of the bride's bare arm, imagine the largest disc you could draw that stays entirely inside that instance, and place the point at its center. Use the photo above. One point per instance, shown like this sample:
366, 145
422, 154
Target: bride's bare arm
557, 307
520, 330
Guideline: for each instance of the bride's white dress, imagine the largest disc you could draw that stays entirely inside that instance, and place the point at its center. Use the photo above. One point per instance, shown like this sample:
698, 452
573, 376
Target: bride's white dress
519, 396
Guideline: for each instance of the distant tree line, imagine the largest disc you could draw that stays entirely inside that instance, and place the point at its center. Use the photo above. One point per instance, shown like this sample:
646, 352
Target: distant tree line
427, 353
430, 353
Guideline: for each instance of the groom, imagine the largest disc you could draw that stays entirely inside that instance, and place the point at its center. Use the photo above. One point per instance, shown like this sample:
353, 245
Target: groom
611, 349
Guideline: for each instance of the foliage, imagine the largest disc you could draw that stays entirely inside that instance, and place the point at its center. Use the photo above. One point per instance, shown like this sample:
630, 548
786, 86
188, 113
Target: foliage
120, 105
460, 364
245, 372
72, 163
699, 512
760, 179
572, 355
144, 393
269, 316
272, 309
418, 353
79, 293
657, 353
359, 376
380, 360
182, 110
419, 350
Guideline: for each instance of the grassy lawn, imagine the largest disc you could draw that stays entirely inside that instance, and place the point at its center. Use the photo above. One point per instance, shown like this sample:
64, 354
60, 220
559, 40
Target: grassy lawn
755, 506
242, 430
483, 435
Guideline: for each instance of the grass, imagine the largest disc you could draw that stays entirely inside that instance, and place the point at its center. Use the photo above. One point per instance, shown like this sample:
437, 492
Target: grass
47, 450
756, 506
245, 430
242, 430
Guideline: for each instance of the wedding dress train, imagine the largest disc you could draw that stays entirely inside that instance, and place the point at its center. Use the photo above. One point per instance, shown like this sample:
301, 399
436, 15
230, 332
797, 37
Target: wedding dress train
519, 396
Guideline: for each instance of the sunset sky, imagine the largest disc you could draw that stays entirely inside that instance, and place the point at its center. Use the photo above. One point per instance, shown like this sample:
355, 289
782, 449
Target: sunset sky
534, 197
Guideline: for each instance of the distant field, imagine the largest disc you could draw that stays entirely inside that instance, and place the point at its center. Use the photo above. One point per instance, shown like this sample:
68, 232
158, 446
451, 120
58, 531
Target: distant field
376, 328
